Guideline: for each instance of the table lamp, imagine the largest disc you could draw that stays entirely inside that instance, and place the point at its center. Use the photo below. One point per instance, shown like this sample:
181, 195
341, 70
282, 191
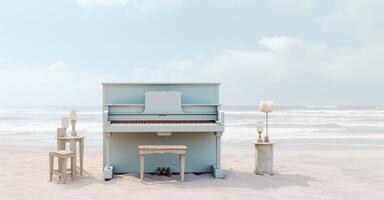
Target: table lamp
266, 106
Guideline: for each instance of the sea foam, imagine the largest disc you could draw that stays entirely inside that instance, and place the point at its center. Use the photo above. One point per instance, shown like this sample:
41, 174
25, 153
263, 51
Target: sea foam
36, 125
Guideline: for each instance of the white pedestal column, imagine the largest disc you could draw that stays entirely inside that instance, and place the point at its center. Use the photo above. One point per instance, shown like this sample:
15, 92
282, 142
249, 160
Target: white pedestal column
264, 158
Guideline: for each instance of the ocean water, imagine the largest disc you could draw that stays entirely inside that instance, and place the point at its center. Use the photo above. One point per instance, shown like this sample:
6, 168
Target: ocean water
36, 125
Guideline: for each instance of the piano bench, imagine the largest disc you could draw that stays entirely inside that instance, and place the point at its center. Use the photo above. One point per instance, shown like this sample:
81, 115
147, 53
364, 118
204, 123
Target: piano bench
152, 149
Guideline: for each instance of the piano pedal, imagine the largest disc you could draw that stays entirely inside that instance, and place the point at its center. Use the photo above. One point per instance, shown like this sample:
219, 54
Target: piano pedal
163, 171
158, 171
168, 172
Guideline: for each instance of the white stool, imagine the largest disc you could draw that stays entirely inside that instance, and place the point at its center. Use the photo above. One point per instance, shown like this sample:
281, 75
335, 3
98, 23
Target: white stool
62, 157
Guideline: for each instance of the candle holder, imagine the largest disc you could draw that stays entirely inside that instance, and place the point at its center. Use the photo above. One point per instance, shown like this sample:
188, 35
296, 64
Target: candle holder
260, 128
73, 125
61, 132
73, 122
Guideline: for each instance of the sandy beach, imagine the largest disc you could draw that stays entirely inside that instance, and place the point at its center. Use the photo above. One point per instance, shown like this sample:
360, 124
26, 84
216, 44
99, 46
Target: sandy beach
319, 169
161, 86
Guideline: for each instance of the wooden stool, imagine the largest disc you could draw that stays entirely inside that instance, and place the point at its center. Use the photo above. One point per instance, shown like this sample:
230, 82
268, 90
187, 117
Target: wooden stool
62, 156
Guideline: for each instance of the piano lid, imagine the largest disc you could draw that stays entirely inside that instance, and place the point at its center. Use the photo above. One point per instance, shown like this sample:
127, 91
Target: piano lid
134, 93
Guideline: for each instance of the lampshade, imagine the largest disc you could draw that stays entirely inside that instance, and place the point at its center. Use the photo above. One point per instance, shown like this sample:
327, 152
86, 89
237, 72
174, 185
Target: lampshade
260, 127
64, 122
266, 106
73, 115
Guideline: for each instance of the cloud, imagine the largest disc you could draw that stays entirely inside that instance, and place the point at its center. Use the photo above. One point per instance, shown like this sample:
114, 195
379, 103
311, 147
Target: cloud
250, 75
282, 58
363, 18
286, 66
275, 64
58, 66
51, 85
291, 5
139, 6
280, 62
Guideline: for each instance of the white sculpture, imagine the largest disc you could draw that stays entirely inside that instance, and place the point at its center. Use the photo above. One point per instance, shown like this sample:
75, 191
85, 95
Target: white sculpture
73, 122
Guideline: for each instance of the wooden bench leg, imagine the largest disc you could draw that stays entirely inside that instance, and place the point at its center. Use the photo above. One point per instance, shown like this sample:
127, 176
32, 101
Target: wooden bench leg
182, 166
141, 167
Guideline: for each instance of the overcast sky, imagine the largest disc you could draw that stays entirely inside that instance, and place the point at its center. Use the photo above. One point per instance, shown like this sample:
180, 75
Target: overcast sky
296, 52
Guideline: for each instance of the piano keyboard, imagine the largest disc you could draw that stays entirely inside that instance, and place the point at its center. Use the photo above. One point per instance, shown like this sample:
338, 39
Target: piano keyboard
163, 122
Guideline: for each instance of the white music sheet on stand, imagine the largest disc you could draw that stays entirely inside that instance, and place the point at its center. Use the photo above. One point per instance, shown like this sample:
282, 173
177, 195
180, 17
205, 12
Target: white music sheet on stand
162, 102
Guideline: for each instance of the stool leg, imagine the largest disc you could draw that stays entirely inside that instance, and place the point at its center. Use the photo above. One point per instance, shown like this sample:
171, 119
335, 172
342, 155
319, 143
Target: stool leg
50, 167
81, 153
60, 166
64, 167
73, 148
141, 167
73, 167
75, 163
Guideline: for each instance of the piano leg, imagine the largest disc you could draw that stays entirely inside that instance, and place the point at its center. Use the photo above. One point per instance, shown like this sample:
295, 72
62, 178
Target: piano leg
216, 169
108, 169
